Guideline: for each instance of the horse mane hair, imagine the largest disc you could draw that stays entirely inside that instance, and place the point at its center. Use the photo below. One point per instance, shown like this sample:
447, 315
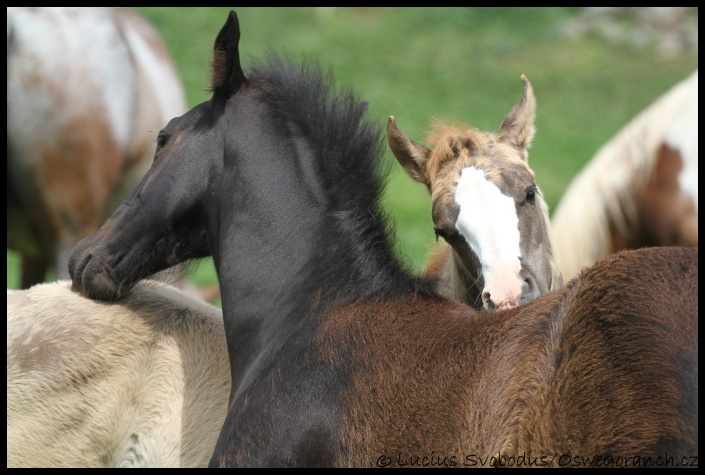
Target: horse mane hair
441, 130
446, 137
351, 172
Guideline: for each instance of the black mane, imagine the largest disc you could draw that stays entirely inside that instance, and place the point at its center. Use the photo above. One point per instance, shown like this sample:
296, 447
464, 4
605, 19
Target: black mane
351, 172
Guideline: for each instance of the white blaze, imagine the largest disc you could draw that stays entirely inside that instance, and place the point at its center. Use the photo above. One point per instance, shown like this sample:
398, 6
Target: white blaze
488, 221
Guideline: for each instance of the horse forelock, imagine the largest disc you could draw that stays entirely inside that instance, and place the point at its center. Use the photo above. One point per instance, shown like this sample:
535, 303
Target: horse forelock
451, 140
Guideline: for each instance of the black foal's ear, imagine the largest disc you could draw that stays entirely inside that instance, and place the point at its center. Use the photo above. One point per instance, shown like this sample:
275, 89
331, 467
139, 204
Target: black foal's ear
228, 76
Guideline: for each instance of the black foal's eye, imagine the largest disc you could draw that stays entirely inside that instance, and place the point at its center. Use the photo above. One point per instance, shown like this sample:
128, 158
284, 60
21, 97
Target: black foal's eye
530, 195
161, 141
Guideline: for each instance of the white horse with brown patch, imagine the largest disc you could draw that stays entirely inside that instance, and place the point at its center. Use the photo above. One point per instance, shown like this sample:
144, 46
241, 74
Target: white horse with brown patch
487, 206
640, 189
87, 91
139, 383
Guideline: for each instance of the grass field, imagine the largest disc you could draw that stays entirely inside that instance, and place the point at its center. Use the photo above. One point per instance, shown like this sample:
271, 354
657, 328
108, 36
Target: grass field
465, 63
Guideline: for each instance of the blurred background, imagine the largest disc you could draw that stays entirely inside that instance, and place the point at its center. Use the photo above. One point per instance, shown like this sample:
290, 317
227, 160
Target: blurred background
592, 69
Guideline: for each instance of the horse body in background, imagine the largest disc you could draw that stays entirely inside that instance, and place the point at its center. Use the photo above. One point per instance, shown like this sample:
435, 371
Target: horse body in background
487, 207
341, 357
87, 91
640, 189
143, 383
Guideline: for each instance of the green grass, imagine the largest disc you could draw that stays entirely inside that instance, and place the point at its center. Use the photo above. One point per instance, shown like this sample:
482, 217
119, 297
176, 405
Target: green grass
465, 63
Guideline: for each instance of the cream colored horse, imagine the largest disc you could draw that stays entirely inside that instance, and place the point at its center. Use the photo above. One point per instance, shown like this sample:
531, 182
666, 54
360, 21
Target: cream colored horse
87, 91
640, 189
139, 383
